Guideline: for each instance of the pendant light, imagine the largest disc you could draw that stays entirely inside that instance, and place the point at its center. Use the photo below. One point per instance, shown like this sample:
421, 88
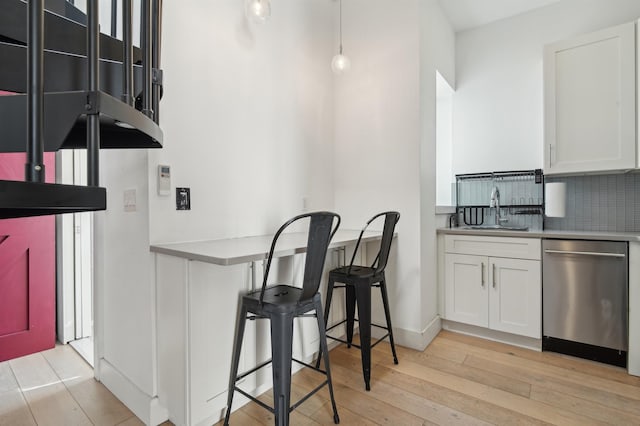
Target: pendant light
340, 63
257, 11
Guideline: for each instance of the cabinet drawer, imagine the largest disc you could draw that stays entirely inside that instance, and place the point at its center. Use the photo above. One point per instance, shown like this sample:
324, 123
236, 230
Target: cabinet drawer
512, 247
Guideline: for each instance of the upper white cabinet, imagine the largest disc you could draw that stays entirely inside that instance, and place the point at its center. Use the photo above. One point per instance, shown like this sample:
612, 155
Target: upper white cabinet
590, 102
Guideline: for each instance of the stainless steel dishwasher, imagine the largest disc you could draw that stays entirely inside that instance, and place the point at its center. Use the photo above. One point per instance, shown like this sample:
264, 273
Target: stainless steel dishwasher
585, 299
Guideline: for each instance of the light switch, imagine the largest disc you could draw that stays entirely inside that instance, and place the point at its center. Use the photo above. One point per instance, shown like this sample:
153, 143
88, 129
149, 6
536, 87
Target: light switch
130, 200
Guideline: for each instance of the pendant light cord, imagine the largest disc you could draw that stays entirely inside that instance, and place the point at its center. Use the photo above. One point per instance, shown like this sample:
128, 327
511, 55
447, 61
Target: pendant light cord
341, 27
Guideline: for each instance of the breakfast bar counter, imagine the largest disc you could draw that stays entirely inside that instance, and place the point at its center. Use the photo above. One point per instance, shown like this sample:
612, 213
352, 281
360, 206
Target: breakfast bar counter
234, 251
197, 291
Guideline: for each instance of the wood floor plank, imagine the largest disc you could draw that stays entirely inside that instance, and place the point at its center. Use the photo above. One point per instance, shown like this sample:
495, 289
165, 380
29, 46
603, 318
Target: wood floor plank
324, 416
498, 381
593, 368
100, 405
134, 421
54, 406
14, 410
7, 380
48, 398
583, 407
67, 364
543, 369
403, 399
459, 401
440, 359
33, 371
241, 418
499, 397
602, 397
381, 413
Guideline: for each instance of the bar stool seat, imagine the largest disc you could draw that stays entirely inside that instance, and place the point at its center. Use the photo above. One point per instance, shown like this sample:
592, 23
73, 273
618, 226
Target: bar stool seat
358, 281
281, 304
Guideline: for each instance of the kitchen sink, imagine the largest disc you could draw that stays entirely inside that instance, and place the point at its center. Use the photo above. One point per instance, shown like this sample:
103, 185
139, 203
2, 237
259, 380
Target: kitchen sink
499, 227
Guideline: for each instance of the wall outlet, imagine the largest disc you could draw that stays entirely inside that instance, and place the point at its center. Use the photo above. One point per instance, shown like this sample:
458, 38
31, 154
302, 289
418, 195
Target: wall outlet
183, 198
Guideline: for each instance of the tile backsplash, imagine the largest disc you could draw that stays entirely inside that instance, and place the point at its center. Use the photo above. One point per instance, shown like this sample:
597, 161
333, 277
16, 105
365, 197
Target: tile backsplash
608, 203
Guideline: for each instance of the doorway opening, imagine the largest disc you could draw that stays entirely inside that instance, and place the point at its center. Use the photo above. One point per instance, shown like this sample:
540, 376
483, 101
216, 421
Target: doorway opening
75, 263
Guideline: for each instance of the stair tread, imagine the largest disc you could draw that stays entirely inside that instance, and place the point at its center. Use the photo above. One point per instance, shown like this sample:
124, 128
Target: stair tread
65, 122
25, 199
61, 34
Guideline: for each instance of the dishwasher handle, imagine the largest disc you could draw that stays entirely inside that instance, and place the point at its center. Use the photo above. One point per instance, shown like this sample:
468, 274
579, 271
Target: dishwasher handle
586, 253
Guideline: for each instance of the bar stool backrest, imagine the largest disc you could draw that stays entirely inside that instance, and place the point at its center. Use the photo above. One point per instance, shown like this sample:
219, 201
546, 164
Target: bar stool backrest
391, 218
320, 232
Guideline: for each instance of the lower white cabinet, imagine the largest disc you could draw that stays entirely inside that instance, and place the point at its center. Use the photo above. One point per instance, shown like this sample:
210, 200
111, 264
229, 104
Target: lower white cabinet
499, 293
466, 296
196, 316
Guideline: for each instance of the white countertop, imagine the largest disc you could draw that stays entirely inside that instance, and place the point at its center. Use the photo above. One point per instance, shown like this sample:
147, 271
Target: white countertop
569, 235
233, 251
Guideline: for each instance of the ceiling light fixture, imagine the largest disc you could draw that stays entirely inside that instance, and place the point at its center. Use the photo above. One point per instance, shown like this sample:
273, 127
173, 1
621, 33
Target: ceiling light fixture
257, 10
340, 63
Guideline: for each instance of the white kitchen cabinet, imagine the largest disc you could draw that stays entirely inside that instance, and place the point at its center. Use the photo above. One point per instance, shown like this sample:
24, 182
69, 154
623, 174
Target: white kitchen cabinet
590, 107
466, 290
515, 293
486, 289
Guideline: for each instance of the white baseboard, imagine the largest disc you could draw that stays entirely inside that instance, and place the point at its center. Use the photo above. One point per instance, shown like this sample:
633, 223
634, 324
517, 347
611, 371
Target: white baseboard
497, 336
147, 408
417, 340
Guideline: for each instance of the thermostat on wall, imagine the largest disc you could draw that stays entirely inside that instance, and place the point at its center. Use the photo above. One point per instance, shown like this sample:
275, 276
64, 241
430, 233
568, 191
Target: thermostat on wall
164, 180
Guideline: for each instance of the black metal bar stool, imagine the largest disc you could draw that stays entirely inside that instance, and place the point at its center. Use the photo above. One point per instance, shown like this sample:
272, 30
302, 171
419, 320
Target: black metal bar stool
357, 282
280, 304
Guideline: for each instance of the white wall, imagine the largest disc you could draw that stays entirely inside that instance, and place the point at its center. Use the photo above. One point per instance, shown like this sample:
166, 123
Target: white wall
498, 109
247, 117
384, 158
444, 142
124, 292
247, 120
437, 53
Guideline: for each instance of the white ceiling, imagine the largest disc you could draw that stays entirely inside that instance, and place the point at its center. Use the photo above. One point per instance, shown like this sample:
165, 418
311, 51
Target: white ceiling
467, 14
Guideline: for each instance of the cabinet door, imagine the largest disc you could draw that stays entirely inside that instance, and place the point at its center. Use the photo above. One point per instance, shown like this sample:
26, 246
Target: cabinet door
515, 296
466, 289
590, 112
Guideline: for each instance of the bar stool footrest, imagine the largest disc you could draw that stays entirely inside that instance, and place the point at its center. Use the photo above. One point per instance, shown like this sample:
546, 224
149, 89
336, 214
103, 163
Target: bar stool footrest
256, 400
253, 370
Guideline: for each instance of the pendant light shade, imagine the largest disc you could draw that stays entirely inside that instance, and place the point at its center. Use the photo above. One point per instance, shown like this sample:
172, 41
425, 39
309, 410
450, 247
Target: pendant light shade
340, 63
257, 11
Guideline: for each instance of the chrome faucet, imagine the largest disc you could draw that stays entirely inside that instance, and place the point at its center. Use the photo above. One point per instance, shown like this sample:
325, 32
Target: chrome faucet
495, 203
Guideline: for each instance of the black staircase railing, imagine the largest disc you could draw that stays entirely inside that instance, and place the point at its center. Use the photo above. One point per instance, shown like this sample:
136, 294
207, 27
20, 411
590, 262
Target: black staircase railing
74, 97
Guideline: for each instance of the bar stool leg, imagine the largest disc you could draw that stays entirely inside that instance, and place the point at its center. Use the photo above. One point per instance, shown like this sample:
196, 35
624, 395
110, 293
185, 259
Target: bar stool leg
237, 348
281, 355
363, 298
350, 303
387, 314
324, 349
327, 306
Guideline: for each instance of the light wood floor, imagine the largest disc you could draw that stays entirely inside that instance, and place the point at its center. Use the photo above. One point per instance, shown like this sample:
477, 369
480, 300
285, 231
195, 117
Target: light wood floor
466, 381
56, 387
457, 380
